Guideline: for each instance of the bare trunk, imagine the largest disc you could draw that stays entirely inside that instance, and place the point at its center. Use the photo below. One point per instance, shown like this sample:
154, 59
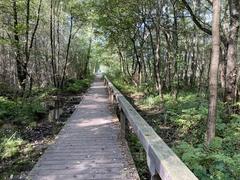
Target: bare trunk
86, 69
19, 62
231, 69
67, 53
52, 41
213, 73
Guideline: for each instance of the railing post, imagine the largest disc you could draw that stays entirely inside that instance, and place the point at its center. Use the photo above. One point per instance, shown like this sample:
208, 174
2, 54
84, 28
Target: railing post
105, 81
152, 168
118, 110
115, 104
123, 122
111, 96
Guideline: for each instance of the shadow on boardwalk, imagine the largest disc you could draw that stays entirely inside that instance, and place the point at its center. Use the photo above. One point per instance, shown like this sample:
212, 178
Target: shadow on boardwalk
88, 146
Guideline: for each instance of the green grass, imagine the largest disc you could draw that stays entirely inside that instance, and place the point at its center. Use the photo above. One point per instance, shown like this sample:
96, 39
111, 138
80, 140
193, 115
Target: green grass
17, 156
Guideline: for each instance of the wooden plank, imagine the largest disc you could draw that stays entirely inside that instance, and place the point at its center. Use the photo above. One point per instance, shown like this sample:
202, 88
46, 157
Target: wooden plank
88, 146
161, 158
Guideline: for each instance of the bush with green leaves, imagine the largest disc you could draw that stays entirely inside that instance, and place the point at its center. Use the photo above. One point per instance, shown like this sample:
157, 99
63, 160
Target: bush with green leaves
188, 115
211, 162
43, 93
148, 88
150, 101
6, 108
77, 86
219, 160
5, 90
10, 147
20, 111
122, 83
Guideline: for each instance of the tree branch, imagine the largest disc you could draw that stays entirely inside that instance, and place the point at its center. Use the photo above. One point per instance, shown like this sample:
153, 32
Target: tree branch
200, 26
36, 25
195, 19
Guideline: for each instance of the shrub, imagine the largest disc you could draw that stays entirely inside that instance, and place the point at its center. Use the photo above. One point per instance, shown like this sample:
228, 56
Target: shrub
10, 147
7, 108
209, 163
151, 101
77, 86
20, 111
5, 89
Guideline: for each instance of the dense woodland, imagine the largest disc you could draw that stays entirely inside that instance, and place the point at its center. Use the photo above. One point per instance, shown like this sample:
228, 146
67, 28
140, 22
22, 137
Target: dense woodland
176, 60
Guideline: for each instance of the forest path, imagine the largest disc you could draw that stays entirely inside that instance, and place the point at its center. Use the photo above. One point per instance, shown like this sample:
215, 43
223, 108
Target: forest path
88, 147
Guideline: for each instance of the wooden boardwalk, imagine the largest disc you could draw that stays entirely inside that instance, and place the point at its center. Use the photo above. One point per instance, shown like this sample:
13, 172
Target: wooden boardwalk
88, 147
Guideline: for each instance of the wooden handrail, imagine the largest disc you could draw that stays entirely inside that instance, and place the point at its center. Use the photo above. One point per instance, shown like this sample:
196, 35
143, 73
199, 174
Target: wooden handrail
162, 161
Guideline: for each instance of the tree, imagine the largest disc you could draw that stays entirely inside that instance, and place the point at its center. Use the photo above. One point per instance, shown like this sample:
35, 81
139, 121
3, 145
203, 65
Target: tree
213, 73
229, 39
33, 47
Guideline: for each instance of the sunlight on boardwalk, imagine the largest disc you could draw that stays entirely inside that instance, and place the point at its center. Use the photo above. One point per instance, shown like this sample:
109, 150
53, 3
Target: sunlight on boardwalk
88, 146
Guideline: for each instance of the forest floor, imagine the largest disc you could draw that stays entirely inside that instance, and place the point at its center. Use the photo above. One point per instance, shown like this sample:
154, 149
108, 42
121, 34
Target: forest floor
22, 141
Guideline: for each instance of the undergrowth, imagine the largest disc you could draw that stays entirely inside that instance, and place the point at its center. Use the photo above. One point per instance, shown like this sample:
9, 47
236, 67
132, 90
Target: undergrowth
75, 86
185, 120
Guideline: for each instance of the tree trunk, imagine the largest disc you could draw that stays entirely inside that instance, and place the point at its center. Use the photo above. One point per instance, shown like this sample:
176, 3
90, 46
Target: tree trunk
85, 72
67, 53
52, 41
19, 62
213, 73
231, 69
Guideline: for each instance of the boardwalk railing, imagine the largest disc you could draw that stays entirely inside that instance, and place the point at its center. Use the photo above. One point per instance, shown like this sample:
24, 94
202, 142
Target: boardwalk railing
162, 161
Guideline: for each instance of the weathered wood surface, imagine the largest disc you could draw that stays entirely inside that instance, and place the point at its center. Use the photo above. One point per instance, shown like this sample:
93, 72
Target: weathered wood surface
162, 161
88, 147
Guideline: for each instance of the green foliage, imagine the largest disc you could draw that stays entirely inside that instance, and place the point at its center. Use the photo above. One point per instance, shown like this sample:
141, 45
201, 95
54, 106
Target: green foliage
21, 111
4, 41
43, 93
150, 101
77, 86
28, 111
209, 163
216, 144
139, 155
10, 147
193, 157
122, 83
6, 108
188, 114
126, 87
16, 154
148, 88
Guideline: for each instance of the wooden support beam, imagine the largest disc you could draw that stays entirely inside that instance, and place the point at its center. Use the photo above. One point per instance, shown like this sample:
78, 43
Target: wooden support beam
151, 166
123, 122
